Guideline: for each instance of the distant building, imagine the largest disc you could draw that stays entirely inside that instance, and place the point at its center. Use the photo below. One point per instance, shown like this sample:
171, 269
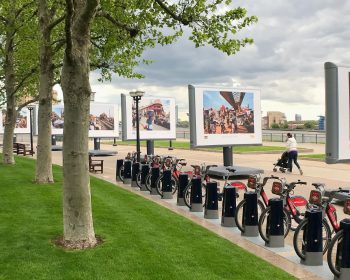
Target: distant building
275, 117
297, 117
321, 122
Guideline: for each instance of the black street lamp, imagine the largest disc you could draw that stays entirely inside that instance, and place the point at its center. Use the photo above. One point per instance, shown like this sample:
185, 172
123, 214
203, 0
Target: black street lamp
30, 108
137, 95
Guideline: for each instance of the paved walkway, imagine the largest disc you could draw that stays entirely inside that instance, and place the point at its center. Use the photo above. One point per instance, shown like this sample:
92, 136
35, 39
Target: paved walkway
333, 176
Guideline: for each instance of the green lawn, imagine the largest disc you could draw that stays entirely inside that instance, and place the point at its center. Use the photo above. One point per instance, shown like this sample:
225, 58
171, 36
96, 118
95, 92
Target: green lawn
314, 156
186, 145
142, 240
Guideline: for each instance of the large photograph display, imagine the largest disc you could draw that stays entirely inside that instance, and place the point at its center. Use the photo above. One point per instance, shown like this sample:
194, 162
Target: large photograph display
156, 118
22, 122
224, 117
337, 113
103, 120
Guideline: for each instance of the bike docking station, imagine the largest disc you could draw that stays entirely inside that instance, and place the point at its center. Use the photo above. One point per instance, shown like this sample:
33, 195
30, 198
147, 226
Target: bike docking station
183, 182
134, 171
144, 173
127, 172
275, 224
343, 252
313, 238
155, 172
228, 207
196, 203
119, 165
250, 215
167, 190
211, 208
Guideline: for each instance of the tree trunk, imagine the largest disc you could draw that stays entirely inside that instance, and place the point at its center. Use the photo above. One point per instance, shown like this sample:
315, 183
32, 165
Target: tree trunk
10, 123
77, 213
44, 157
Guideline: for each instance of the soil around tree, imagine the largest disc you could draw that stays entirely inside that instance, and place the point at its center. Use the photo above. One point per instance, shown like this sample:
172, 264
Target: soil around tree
75, 246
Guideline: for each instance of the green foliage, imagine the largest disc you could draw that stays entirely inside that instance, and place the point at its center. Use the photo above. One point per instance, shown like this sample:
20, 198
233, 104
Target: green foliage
275, 126
142, 240
183, 124
284, 125
310, 124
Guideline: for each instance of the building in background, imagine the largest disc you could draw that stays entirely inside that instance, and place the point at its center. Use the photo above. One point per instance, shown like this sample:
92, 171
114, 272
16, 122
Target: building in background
321, 122
275, 117
297, 117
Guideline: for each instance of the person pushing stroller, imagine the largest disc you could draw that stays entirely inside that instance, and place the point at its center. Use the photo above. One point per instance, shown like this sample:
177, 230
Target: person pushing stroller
291, 145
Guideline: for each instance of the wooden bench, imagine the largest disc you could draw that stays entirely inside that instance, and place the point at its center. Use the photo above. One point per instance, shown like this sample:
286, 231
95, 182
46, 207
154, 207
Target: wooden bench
95, 165
21, 149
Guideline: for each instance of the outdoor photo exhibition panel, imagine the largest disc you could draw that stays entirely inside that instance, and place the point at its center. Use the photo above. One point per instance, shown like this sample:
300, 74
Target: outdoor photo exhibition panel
337, 113
224, 116
103, 120
22, 122
156, 115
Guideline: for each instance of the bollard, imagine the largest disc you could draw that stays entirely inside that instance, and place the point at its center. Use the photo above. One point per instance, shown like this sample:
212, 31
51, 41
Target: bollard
96, 143
250, 215
313, 238
183, 182
167, 191
228, 207
196, 195
275, 224
53, 140
344, 251
14, 139
134, 171
211, 201
127, 172
119, 164
144, 173
155, 175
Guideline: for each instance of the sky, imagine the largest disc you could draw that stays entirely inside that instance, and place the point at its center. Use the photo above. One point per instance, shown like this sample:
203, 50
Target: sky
292, 41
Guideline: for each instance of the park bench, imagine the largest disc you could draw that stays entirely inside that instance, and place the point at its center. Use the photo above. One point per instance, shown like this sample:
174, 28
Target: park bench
95, 165
21, 149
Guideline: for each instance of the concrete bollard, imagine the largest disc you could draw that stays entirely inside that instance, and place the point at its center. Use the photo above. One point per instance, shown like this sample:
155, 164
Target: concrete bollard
196, 195
97, 143
343, 251
134, 171
275, 228
53, 140
127, 172
155, 174
228, 207
250, 215
211, 210
144, 173
313, 238
183, 182
119, 164
167, 191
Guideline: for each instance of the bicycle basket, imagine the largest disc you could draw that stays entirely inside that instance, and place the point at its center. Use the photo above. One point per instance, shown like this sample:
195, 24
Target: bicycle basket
315, 197
252, 182
277, 188
347, 206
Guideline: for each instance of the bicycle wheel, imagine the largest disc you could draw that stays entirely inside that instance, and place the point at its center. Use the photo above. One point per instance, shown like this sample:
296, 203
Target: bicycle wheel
299, 242
159, 184
334, 253
121, 173
187, 194
148, 181
239, 213
138, 180
264, 227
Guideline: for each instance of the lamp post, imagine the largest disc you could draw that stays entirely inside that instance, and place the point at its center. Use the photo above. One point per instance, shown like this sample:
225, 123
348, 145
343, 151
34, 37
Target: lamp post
30, 108
137, 95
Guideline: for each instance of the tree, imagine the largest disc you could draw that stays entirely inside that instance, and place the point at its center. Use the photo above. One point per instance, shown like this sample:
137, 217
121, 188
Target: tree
18, 58
310, 124
119, 32
275, 126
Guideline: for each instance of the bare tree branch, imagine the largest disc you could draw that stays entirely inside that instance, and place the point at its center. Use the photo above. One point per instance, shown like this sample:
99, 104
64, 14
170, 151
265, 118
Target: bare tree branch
171, 13
20, 107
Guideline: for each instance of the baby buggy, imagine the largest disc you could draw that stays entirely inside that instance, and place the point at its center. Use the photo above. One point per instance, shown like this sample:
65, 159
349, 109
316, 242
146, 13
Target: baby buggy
282, 163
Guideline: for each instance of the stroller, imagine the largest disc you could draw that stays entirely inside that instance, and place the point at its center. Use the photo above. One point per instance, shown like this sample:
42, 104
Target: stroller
282, 163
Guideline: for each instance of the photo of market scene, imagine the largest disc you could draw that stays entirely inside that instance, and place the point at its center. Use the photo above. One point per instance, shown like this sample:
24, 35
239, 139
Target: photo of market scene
228, 112
57, 117
21, 121
154, 114
101, 117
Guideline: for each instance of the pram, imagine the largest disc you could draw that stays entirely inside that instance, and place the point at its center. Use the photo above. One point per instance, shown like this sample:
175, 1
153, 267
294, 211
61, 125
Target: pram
282, 163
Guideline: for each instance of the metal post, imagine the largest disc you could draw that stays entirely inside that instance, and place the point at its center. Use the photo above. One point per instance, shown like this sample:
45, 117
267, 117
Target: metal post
170, 145
127, 172
167, 192
196, 195
31, 129
138, 150
211, 201
97, 143
114, 142
227, 152
150, 147
155, 175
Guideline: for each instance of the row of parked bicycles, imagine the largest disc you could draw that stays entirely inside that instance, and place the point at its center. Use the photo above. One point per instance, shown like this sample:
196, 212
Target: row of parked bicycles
295, 206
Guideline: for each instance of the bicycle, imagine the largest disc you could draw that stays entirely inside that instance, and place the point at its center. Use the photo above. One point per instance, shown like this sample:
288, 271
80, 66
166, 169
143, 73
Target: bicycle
130, 156
317, 200
334, 254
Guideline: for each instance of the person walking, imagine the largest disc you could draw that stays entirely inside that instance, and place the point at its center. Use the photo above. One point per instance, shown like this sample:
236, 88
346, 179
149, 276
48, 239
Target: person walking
292, 153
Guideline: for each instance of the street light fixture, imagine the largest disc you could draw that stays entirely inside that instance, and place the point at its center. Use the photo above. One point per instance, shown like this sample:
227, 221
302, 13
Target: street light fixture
137, 95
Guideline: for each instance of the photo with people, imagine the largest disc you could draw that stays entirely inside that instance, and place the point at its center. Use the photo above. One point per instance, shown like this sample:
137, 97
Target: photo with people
226, 112
101, 117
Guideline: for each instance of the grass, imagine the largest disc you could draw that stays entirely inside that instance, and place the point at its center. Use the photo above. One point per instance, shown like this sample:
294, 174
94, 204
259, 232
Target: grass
186, 145
142, 239
314, 156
